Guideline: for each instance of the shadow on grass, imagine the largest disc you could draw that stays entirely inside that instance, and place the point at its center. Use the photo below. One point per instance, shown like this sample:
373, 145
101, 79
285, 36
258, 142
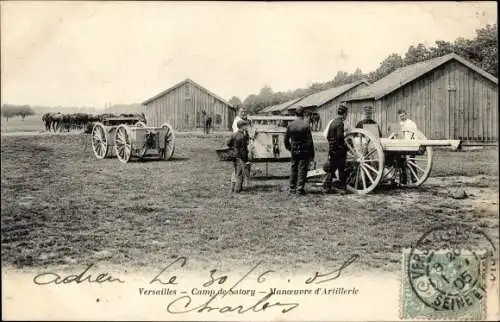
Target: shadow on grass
263, 177
155, 159
395, 190
263, 188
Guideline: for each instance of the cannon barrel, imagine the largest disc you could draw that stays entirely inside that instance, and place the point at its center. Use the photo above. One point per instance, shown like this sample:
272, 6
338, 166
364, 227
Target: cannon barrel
416, 145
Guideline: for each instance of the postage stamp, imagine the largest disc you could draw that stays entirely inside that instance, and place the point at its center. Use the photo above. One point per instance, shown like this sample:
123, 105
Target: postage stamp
443, 282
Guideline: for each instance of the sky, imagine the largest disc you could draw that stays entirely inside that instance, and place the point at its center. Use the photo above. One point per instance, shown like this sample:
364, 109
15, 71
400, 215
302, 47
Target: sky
96, 53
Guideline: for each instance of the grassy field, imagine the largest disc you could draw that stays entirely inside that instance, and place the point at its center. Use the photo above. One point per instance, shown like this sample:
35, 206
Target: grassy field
60, 205
16, 124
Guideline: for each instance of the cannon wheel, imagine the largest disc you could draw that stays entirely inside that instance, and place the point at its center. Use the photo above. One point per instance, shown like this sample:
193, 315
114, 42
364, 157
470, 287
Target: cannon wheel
418, 167
99, 141
365, 161
169, 141
140, 124
123, 146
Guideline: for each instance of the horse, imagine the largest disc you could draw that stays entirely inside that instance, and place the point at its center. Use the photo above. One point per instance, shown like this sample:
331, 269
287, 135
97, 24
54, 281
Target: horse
47, 121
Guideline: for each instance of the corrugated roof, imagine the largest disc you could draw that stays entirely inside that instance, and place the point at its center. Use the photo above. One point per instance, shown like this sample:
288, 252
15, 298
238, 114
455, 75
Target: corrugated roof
187, 80
322, 97
407, 74
279, 107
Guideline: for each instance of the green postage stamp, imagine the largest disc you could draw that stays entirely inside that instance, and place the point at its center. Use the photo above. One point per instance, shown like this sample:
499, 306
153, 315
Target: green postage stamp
444, 284
445, 275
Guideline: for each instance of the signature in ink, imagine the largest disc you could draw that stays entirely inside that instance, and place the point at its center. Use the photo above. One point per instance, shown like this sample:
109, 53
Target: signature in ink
55, 278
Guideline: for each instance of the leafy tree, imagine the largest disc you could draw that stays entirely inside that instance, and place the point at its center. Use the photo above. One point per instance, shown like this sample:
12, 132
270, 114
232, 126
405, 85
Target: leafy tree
9, 111
390, 64
416, 54
235, 101
24, 111
340, 78
442, 48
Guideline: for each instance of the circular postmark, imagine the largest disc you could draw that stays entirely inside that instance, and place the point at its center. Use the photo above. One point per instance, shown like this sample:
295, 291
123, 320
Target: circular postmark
446, 267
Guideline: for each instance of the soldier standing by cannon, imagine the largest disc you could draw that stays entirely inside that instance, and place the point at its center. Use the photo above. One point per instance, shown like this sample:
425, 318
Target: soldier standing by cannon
337, 152
410, 132
368, 110
299, 141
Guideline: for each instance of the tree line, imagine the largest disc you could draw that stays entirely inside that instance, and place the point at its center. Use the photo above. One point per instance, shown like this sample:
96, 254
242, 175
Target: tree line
481, 51
9, 111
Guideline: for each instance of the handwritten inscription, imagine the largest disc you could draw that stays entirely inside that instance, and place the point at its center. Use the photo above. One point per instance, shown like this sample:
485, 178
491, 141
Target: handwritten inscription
186, 303
54, 278
173, 278
319, 278
183, 304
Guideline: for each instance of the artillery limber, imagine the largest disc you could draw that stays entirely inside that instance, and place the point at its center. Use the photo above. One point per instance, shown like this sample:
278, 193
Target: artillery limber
128, 137
267, 137
403, 158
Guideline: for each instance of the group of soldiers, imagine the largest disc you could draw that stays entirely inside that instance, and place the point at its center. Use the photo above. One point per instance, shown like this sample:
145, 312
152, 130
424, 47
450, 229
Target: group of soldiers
299, 141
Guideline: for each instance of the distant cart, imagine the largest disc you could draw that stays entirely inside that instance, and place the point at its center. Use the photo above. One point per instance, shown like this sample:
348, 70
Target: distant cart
128, 137
372, 160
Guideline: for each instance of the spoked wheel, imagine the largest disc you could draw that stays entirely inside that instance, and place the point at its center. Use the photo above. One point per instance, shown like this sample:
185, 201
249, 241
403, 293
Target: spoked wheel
365, 161
413, 169
99, 141
140, 124
168, 142
123, 147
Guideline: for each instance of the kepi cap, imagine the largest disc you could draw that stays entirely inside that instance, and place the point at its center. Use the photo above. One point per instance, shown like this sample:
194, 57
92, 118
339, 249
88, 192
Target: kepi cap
342, 109
300, 110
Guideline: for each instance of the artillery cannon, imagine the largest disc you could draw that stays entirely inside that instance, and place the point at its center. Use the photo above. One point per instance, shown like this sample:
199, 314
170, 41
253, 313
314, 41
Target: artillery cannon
127, 137
404, 158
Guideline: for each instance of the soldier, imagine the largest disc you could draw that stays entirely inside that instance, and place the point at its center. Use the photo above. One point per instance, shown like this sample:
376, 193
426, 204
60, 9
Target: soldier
410, 132
238, 143
337, 152
208, 124
299, 141
368, 119
242, 115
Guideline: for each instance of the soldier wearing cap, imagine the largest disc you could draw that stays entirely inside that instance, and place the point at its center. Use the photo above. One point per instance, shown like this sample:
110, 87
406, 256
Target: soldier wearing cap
368, 119
337, 151
238, 143
242, 115
299, 141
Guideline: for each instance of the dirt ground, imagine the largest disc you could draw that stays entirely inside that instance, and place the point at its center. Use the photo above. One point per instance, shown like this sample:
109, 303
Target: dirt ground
61, 206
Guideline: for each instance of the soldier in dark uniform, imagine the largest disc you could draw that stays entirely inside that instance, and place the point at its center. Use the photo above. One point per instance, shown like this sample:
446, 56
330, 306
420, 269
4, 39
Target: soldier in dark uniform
368, 119
337, 151
299, 141
238, 143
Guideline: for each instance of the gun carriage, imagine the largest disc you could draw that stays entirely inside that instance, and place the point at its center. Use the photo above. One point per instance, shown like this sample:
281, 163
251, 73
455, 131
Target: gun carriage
371, 160
129, 137
404, 158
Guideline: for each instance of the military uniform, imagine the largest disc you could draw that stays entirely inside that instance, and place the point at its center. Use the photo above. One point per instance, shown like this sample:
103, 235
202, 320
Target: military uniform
299, 141
238, 142
337, 153
368, 121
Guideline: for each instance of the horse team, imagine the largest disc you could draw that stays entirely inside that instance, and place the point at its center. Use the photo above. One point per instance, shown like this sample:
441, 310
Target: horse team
58, 122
